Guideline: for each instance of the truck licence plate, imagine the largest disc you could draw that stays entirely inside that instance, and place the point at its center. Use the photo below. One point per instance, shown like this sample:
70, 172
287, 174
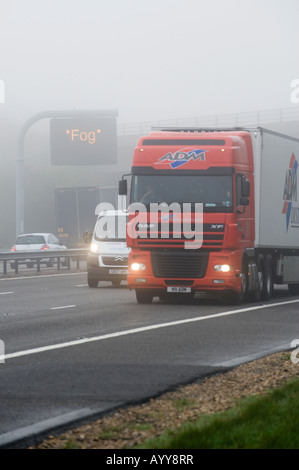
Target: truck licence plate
118, 271
179, 289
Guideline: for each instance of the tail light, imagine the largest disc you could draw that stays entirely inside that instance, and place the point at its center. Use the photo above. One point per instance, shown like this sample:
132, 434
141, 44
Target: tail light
45, 247
13, 248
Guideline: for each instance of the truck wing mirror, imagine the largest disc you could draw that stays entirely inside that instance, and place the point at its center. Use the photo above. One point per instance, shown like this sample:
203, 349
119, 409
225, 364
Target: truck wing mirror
245, 188
122, 188
244, 201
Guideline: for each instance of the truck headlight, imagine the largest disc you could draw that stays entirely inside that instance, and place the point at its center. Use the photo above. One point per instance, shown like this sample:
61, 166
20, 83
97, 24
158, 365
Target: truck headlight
224, 268
138, 267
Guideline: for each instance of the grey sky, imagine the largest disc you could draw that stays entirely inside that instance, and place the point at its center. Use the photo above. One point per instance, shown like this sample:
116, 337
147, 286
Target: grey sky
151, 60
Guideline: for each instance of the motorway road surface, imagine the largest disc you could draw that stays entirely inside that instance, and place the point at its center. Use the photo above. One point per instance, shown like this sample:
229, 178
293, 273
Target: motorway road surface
72, 352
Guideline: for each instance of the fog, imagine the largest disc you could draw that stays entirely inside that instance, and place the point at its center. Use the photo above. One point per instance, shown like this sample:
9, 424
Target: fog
150, 61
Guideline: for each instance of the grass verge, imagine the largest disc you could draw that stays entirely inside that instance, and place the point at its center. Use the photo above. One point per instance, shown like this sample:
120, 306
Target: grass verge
261, 422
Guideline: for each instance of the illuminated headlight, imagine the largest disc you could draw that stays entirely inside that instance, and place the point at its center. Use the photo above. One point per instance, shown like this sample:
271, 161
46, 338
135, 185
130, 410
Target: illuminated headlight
94, 248
138, 266
224, 268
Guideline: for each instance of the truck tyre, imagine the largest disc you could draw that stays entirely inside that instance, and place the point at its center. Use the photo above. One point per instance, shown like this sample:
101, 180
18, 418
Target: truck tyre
267, 279
144, 296
256, 295
92, 282
237, 298
116, 282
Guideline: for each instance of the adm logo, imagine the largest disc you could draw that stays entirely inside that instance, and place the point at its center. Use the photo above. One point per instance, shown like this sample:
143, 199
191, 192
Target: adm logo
182, 157
290, 207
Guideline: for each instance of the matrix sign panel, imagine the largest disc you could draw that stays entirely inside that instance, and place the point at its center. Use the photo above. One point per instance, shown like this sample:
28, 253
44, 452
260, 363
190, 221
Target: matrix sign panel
83, 141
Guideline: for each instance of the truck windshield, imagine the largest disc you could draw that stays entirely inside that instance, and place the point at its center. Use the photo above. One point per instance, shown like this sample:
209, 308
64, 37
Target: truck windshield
111, 228
215, 192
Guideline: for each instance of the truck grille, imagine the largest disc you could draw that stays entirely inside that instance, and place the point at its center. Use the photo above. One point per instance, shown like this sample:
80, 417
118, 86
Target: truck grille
180, 264
211, 238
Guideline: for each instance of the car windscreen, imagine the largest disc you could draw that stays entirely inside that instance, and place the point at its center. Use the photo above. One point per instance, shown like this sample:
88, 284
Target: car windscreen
111, 228
30, 240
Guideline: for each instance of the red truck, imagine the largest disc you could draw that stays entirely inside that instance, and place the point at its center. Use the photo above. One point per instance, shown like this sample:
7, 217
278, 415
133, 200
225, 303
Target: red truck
235, 192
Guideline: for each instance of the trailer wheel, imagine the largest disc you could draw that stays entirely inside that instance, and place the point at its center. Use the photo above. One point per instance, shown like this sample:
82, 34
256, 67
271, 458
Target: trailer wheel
268, 280
144, 296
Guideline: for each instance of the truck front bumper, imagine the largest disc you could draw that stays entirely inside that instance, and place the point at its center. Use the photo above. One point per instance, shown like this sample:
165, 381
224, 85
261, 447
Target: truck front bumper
222, 274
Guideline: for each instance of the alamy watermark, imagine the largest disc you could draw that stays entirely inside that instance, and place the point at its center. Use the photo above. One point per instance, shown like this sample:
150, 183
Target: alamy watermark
295, 92
144, 222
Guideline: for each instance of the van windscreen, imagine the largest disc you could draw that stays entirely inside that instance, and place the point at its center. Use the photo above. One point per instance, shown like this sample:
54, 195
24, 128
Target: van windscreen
111, 227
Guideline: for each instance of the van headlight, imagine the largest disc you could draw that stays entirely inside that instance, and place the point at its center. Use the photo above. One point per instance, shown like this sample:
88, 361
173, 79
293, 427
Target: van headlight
94, 248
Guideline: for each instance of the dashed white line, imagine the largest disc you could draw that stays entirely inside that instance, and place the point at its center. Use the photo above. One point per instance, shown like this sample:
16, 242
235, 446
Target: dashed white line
62, 306
4, 293
117, 334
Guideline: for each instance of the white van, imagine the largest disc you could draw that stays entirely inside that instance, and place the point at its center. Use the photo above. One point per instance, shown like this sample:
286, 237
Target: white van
108, 256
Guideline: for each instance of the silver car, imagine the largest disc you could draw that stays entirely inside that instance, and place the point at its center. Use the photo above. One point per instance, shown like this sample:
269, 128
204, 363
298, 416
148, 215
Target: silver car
37, 242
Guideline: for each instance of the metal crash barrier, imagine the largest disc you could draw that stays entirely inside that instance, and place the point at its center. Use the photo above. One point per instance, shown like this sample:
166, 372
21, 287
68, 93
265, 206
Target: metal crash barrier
54, 259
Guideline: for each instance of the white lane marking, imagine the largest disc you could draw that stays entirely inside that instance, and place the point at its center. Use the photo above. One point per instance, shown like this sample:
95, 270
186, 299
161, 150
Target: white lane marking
62, 306
117, 334
4, 293
40, 276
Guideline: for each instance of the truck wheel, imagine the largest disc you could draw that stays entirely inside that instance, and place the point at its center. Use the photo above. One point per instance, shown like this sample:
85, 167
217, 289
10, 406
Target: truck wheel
267, 280
92, 282
237, 298
116, 282
143, 296
256, 295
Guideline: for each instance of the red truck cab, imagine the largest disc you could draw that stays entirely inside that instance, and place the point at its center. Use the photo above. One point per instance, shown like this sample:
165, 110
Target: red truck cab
173, 173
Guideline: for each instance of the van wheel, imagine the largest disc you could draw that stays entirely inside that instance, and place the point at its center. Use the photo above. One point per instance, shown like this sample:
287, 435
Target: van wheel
293, 289
92, 282
143, 296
